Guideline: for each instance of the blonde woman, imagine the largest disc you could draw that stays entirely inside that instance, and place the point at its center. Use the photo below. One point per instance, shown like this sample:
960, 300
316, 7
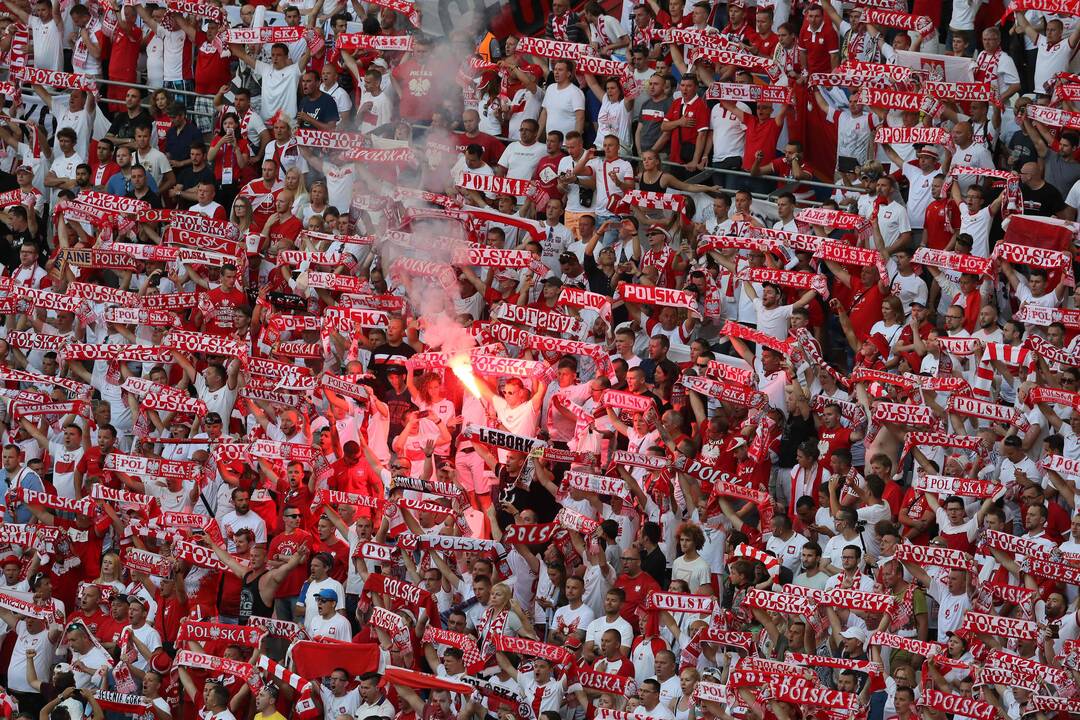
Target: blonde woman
503, 616
294, 183
688, 680
110, 572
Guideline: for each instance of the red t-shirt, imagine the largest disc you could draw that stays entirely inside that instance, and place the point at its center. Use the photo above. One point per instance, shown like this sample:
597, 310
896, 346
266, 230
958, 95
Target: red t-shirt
220, 321
683, 139
759, 136
513, 86
211, 65
765, 45
101, 172
124, 58
551, 187
493, 148
818, 47
263, 201
340, 550
281, 547
416, 82
636, 589
95, 621
865, 308
935, 235
835, 439
289, 229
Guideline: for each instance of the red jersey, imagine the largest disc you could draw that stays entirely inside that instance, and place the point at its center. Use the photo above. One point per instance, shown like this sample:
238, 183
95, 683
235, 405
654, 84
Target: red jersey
220, 320
829, 441
819, 47
759, 136
212, 59
416, 82
101, 172
941, 220
765, 45
263, 201
865, 307
340, 550
548, 167
123, 62
281, 547
636, 589
683, 139
288, 229
512, 85
493, 149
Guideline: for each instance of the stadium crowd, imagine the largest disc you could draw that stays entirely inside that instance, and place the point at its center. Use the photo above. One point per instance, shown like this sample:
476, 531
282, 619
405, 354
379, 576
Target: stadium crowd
667, 360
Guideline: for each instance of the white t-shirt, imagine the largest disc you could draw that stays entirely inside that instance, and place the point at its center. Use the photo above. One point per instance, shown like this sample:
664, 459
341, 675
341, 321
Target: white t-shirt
789, 551
278, 89
773, 321
729, 132
336, 626
218, 401
605, 186
573, 191
853, 134
963, 14
920, 194
978, 227
893, 222
233, 523
520, 160
520, 420
64, 167
951, 608
974, 155
613, 119
1052, 59
562, 105
48, 49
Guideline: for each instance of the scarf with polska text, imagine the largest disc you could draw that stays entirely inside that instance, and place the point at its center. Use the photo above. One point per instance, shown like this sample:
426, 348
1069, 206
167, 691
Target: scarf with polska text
201, 632
1017, 254
394, 625
798, 279
898, 100
945, 486
727, 392
338, 497
921, 24
948, 260
754, 63
745, 92
838, 219
1054, 117
905, 414
474, 662
970, 407
575, 521
738, 330
577, 297
204, 661
844, 254
1033, 314
1054, 355
658, 296
415, 598
48, 500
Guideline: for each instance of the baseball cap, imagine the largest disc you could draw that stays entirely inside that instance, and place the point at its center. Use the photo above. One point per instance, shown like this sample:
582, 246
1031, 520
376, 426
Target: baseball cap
929, 151
24, 168
326, 594
395, 369
855, 633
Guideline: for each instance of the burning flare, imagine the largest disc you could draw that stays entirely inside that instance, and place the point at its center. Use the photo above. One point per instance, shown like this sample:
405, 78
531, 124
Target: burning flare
462, 367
